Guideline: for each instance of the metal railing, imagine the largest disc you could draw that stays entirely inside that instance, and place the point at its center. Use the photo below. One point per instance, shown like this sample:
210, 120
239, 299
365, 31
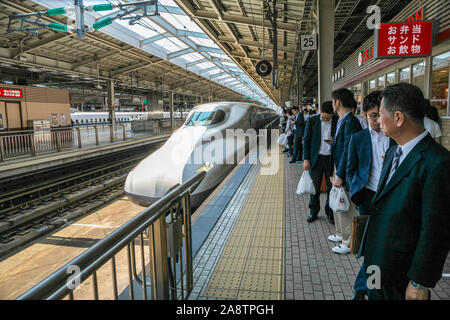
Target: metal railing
165, 226
15, 144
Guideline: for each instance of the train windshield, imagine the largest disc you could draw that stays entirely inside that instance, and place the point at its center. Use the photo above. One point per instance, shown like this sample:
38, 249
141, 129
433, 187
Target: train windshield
206, 118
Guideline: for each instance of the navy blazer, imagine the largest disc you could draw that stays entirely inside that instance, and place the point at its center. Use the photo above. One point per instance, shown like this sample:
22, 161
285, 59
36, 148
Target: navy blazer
359, 162
407, 233
312, 139
339, 148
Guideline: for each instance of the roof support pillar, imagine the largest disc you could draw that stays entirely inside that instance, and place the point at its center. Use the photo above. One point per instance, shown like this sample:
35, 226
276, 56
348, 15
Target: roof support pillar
326, 49
111, 111
171, 109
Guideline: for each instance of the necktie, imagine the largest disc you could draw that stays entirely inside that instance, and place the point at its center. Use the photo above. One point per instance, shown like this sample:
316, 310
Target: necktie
398, 153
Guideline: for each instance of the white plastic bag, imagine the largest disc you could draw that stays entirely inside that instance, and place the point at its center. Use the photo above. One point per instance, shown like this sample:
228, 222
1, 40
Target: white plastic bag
338, 200
282, 140
333, 197
306, 185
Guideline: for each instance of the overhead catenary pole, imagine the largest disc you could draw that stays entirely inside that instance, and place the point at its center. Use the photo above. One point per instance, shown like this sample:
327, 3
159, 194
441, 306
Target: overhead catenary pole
326, 49
111, 111
171, 109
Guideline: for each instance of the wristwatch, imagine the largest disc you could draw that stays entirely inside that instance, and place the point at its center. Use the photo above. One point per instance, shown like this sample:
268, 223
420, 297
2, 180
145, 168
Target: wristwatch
417, 286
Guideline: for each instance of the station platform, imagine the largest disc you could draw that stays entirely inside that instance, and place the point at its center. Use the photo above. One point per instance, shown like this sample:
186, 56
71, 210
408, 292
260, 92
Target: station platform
22, 165
250, 240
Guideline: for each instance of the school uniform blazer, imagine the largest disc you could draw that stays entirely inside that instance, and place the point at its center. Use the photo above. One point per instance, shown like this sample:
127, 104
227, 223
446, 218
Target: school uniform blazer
312, 138
339, 148
407, 233
359, 163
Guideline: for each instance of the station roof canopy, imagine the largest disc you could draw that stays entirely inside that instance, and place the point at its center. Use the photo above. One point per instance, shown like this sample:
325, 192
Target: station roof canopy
167, 50
191, 46
242, 28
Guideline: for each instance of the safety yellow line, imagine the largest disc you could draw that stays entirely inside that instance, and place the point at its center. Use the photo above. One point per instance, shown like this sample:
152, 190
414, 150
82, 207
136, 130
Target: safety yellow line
251, 265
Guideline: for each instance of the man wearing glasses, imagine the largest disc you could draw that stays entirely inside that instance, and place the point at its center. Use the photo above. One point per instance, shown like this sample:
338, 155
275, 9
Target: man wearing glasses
366, 154
367, 149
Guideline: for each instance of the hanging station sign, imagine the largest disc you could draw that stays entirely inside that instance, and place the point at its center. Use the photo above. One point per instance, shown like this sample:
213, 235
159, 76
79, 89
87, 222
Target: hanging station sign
365, 56
403, 40
10, 93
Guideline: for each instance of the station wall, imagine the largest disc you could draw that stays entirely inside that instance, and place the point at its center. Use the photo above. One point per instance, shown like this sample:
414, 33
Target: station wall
35, 104
362, 74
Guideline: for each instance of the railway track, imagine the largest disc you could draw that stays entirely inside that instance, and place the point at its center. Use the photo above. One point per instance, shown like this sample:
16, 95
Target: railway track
52, 200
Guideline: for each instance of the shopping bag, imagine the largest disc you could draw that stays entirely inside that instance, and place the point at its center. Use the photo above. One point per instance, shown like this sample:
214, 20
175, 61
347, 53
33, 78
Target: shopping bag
333, 198
341, 203
306, 185
282, 140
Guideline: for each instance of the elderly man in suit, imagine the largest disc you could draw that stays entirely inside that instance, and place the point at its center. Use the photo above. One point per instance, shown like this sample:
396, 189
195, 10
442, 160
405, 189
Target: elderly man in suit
407, 234
317, 156
299, 128
348, 124
367, 150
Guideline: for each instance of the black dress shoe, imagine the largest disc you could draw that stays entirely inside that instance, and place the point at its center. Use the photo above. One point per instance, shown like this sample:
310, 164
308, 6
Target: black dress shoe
330, 220
359, 295
311, 218
292, 161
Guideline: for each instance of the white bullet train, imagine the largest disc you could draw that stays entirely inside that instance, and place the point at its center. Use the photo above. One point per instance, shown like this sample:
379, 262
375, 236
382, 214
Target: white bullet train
91, 118
201, 142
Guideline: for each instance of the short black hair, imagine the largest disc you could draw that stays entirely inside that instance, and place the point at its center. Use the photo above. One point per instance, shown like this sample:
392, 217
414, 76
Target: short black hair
372, 100
294, 108
406, 98
345, 96
289, 112
327, 107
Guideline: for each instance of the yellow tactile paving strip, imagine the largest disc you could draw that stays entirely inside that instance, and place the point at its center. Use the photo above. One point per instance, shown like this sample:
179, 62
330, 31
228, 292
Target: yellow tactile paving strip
251, 265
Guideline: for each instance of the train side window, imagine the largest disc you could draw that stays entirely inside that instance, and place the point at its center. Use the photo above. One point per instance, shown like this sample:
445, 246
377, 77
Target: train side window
219, 116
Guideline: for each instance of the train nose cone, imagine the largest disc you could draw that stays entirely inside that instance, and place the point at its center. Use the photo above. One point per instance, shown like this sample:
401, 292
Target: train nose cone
155, 175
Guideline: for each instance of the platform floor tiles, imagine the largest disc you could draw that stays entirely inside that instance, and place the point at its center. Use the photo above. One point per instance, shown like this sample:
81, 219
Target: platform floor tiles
248, 255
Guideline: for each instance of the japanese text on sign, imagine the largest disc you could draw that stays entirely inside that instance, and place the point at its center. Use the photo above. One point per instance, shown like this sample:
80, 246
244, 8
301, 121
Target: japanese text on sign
11, 93
406, 39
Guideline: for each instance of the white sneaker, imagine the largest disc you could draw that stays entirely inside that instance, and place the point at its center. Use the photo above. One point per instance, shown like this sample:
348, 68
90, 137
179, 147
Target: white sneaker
335, 238
341, 249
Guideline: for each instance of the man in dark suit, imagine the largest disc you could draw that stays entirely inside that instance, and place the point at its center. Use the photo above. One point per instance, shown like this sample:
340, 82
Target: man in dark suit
317, 156
367, 150
298, 135
348, 124
407, 235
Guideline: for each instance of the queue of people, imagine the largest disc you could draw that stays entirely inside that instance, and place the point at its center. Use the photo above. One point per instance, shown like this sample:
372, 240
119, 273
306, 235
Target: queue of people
394, 173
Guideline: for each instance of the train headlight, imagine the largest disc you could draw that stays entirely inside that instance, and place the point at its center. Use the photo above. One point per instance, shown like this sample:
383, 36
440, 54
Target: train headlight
206, 167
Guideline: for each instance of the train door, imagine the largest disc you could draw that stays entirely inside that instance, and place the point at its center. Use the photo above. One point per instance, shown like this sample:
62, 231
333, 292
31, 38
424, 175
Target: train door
13, 116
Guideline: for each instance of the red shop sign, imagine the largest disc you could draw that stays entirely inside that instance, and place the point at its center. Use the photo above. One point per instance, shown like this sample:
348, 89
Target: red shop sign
11, 93
404, 39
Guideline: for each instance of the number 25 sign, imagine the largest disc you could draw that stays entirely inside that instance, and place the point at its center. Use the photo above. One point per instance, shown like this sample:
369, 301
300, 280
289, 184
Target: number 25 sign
308, 42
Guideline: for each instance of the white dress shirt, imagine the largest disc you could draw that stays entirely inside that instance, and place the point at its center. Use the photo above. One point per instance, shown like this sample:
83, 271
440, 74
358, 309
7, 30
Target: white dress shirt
325, 128
406, 149
380, 144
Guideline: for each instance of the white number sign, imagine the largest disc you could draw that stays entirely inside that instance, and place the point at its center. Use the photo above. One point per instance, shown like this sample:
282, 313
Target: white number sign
308, 42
